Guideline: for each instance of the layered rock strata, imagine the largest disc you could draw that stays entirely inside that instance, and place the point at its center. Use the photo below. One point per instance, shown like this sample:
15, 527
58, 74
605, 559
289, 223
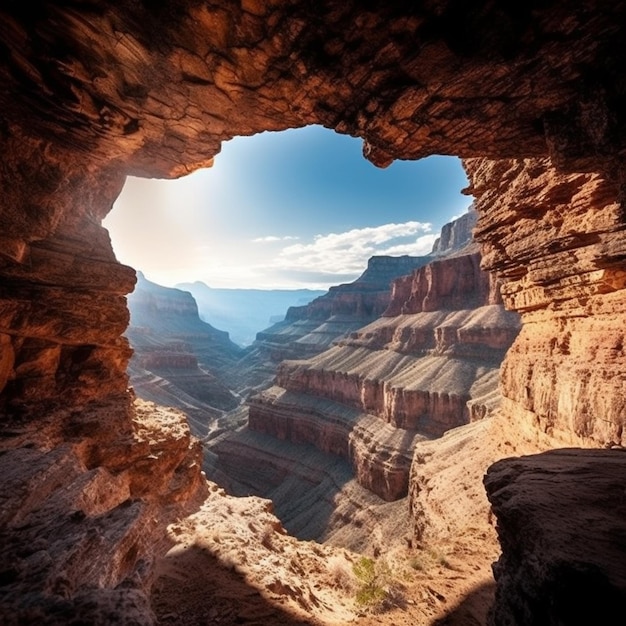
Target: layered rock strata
456, 235
179, 360
90, 504
560, 520
314, 493
562, 269
425, 367
310, 329
62, 305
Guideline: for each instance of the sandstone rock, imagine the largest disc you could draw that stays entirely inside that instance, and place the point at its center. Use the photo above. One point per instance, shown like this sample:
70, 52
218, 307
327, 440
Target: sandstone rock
94, 92
89, 515
470, 87
455, 283
177, 351
457, 234
426, 371
308, 330
560, 521
561, 268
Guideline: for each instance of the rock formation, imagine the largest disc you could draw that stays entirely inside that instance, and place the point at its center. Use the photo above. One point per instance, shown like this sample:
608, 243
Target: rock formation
562, 271
429, 364
95, 91
456, 235
561, 527
310, 329
89, 504
243, 312
178, 359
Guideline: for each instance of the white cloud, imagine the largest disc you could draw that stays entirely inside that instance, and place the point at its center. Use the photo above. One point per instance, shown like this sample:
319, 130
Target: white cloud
348, 252
420, 247
273, 238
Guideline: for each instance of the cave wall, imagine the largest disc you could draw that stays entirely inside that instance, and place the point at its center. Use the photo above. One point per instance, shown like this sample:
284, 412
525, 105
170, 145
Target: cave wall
94, 92
62, 304
558, 241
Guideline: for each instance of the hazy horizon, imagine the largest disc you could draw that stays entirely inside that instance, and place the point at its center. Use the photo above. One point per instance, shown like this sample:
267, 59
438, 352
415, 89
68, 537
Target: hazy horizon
291, 210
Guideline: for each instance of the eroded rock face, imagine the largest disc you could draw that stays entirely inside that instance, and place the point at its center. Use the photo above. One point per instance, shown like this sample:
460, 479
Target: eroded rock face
310, 329
468, 78
89, 96
62, 305
456, 235
561, 525
179, 360
562, 268
90, 510
426, 370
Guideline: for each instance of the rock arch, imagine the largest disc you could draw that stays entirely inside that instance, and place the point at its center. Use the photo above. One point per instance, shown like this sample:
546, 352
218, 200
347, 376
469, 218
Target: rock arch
96, 92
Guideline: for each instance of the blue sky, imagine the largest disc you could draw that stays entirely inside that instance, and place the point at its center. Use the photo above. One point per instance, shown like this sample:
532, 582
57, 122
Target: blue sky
300, 208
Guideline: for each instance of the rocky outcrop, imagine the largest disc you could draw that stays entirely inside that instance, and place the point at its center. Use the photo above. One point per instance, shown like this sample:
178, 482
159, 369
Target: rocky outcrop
426, 366
457, 234
62, 305
90, 502
560, 520
156, 311
310, 329
380, 454
562, 268
367, 297
445, 285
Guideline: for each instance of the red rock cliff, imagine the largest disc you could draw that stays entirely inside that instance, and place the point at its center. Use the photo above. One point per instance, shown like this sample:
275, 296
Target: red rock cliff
94, 91
562, 268
426, 370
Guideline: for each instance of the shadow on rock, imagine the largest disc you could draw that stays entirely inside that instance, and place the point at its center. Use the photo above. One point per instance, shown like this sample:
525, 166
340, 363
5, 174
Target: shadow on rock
472, 610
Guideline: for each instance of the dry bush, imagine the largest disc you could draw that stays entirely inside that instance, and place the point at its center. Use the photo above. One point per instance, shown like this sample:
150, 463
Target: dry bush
341, 573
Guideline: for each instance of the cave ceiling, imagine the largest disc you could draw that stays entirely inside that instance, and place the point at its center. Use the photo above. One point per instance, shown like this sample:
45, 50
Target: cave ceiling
155, 87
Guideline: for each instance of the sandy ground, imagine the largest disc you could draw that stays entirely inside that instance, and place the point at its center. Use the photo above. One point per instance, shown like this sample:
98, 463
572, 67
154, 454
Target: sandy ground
232, 563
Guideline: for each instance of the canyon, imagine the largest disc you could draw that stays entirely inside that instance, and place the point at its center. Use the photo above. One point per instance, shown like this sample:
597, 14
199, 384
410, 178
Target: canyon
402, 378
530, 97
244, 312
431, 364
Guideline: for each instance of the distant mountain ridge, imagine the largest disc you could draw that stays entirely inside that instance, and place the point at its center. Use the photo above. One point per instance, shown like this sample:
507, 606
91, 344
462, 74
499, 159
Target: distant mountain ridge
244, 312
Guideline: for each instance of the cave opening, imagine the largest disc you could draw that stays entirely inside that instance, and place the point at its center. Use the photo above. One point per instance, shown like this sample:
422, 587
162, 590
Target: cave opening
223, 224
304, 210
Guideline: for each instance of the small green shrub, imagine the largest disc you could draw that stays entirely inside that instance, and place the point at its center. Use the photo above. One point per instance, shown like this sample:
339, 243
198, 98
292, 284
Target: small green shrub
440, 558
372, 580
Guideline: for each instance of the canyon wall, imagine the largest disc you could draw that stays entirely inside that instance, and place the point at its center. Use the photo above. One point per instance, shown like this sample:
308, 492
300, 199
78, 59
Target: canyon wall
429, 364
562, 269
456, 234
178, 359
561, 527
94, 92
310, 329
62, 305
